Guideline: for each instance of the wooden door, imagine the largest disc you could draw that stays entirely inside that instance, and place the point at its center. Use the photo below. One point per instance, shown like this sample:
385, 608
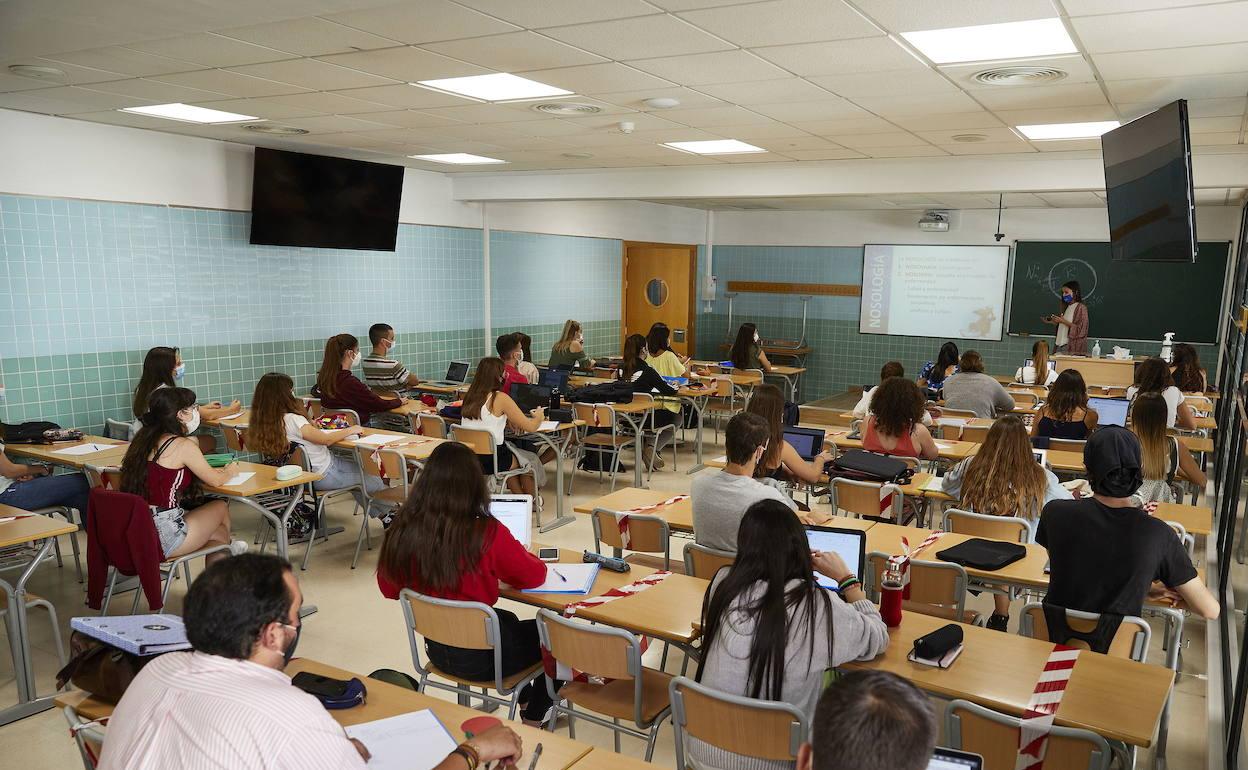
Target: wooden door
660, 285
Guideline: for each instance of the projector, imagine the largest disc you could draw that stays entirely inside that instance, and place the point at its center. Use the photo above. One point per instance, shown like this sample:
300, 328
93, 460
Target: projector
934, 222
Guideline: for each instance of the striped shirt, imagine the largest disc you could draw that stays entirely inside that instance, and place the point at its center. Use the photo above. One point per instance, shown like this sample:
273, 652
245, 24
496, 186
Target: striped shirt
192, 710
384, 373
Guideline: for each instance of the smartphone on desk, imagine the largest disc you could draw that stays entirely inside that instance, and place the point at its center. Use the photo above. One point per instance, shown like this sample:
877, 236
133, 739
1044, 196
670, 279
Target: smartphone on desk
548, 554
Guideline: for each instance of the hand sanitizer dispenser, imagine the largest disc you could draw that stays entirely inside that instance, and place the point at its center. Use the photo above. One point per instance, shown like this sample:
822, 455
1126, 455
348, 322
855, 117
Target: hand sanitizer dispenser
1096, 349
1167, 352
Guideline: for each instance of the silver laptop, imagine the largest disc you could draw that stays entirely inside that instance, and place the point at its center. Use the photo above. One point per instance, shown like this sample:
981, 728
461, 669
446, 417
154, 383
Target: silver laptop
515, 512
456, 373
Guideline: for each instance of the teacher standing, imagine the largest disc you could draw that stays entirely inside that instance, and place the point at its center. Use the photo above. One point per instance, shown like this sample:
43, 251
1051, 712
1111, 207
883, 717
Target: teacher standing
1072, 322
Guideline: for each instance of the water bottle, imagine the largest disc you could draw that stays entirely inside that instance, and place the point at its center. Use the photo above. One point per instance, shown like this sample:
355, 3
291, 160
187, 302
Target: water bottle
1096, 349
1166, 352
891, 587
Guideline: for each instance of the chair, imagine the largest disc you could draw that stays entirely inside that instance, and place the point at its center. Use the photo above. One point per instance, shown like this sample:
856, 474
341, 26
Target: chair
117, 429
725, 405
1189, 540
350, 415
1024, 399
863, 499
276, 502
481, 442
1012, 529
32, 601
769, 730
426, 424
973, 728
632, 691
88, 735
466, 625
68, 515
1067, 445
609, 444
1131, 641
937, 588
975, 433
652, 431
322, 498
703, 562
388, 465
647, 535
313, 405
605, 372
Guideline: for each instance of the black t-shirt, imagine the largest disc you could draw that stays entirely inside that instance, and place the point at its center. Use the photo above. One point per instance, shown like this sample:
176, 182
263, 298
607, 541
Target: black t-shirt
1104, 559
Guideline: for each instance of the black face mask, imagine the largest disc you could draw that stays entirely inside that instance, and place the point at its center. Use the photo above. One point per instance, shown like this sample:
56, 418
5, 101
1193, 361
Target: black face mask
290, 649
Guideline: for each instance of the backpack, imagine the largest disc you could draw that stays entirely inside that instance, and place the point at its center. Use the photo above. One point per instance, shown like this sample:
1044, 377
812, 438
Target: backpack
302, 520
859, 465
28, 432
603, 393
792, 413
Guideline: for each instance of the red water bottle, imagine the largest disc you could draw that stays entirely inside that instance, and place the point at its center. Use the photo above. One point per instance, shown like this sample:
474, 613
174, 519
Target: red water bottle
891, 587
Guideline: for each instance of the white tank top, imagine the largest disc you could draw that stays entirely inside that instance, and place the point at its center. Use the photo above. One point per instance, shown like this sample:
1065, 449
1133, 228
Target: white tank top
495, 424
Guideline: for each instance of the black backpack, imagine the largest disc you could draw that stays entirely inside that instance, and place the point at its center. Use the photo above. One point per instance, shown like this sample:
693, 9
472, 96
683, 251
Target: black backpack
859, 465
792, 413
603, 393
27, 432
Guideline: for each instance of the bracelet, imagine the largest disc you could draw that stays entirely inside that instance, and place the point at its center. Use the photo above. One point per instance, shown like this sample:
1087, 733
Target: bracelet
848, 583
470, 754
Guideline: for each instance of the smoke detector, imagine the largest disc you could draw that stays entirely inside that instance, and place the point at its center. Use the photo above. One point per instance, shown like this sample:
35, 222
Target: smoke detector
661, 103
969, 137
934, 221
36, 71
1018, 76
567, 109
268, 128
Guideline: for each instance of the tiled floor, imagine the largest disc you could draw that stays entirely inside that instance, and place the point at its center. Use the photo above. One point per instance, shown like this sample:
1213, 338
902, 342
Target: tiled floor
357, 629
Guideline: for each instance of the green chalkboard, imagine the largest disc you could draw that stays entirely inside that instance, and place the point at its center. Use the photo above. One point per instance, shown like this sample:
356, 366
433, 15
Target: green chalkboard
1126, 300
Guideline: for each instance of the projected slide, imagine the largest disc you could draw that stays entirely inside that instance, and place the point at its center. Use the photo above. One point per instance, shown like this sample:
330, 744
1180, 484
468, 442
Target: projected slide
934, 291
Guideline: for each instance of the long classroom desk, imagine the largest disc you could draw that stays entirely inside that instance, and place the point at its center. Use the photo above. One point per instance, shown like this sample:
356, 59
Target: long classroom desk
110, 452
949, 450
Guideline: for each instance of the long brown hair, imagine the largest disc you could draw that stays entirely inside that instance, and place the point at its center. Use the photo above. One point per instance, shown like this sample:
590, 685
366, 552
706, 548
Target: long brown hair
633, 347
1153, 376
1068, 394
1149, 415
897, 405
485, 383
335, 348
160, 419
1003, 477
742, 345
1188, 376
273, 399
1040, 361
158, 366
439, 533
568, 336
768, 402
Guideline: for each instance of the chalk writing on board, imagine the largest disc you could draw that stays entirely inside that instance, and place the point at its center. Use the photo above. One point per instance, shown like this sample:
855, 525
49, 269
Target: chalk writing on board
1072, 270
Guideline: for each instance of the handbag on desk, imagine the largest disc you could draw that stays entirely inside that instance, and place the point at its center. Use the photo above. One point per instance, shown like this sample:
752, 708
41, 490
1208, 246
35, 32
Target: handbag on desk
100, 669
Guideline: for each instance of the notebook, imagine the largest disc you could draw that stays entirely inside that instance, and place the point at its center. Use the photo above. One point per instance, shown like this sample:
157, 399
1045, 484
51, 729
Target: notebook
136, 634
950, 759
850, 544
1110, 411
567, 579
515, 512
416, 740
808, 442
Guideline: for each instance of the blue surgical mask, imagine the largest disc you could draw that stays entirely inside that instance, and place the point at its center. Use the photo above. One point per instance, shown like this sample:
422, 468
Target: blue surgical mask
179, 371
1068, 298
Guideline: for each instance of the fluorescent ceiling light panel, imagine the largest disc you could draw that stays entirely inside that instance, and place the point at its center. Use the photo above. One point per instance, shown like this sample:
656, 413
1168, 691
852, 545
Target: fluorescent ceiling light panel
714, 147
188, 113
1068, 130
988, 42
499, 87
458, 158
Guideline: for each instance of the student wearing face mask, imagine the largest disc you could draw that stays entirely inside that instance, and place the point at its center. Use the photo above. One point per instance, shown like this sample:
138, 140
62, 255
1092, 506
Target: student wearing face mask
380, 371
165, 467
526, 365
747, 351
1072, 322
338, 388
569, 351
511, 353
163, 368
486, 407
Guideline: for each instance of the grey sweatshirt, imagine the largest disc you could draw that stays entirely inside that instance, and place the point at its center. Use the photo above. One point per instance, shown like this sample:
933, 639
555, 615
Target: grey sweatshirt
977, 392
719, 501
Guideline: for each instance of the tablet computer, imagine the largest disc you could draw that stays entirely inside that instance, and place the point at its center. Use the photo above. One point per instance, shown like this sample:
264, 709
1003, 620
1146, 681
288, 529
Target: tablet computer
1110, 411
515, 512
807, 442
850, 544
951, 759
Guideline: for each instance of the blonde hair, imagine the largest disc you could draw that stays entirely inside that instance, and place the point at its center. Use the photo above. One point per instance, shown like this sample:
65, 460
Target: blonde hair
570, 330
1003, 478
1149, 415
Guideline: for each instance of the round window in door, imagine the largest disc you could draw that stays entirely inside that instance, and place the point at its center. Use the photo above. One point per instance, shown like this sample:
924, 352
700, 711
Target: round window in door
657, 292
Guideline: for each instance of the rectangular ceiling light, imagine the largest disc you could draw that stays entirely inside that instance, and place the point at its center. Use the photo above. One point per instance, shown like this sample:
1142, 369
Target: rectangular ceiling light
714, 147
499, 87
188, 113
1068, 130
458, 159
988, 42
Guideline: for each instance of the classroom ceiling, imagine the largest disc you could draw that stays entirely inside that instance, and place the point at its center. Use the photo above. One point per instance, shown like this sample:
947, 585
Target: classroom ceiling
807, 80
1213, 196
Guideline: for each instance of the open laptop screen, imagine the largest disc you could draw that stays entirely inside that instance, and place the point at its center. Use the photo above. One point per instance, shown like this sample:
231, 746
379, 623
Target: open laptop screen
1110, 411
555, 379
808, 442
457, 371
850, 544
515, 512
949, 759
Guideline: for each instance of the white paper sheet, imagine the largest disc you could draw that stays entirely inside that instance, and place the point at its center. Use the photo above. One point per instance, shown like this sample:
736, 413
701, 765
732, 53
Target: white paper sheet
84, 449
412, 741
379, 439
548, 425
567, 579
934, 484
944, 444
721, 459
234, 416
238, 479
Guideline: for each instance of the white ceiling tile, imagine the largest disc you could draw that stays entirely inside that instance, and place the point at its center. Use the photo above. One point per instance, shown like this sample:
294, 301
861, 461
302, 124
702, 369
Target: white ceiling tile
689, 5
515, 52
331, 103
910, 16
116, 118
1076, 68
766, 91
155, 92
948, 121
1024, 200
325, 124
890, 106
642, 121
1166, 28
310, 36
710, 68
314, 74
1216, 108
1203, 60
830, 108
232, 83
124, 60
1035, 97
271, 108
1214, 196
1167, 89
405, 63
749, 133
640, 37
1055, 115
844, 126
716, 116
755, 157
1072, 199
838, 57
423, 22
988, 148
781, 22
924, 151
209, 50
842, 153
1204, 140
994, 134
1069, 145
487, 113
408, 119
403, 95
908, 82
598, 78
879, 139
550, 13
636, 99
556, 129
66, 100
790, 144
1091, 7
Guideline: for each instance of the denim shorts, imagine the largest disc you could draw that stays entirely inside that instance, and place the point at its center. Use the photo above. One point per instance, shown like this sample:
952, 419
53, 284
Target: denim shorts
171, 528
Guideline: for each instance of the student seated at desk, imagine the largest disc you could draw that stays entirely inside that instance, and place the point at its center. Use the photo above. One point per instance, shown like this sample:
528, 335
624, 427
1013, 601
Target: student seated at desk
747, 351
870, 720
486, 407
227, 702
338, 388
895, 425
890, 369
445, 544
1105, 552
720, 498
1004, 479
1039, 373
1065, 414
1153, 376
569, 351
1188, 374
164, 466
973, 391
163, 368
526, 365
1164, 457
381, 372
770, 631
511, 354
645, 379
932, 375
33, 487
781, 461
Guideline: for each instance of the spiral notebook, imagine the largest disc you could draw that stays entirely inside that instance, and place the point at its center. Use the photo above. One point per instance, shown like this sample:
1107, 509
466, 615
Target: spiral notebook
567, 579
136, 634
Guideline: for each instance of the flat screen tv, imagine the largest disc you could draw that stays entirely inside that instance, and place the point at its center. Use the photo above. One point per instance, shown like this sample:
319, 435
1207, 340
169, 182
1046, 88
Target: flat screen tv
314, 200
1148, 181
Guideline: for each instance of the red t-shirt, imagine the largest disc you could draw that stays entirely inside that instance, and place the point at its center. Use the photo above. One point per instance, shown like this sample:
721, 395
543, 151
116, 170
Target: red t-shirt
503, 558
513, 376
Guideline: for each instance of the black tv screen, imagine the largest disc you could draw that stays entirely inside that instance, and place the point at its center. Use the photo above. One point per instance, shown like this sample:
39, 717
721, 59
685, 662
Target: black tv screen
314, 200
1148, 182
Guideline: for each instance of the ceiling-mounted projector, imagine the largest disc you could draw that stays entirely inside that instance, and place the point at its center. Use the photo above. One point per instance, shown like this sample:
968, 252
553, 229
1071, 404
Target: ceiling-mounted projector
934, 222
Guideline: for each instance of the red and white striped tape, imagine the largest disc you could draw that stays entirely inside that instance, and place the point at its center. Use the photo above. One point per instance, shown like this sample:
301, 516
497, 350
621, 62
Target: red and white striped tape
621, 517
1037, 722
559, 670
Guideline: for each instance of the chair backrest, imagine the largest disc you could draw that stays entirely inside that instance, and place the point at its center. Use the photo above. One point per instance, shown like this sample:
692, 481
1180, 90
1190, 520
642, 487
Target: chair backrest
960, 413
722, 387
105, 477
1067, 445
1024, 398
88, 736
235, 438
467, 625
350, 415
300, 458
975, 433
939, 584
647, 534
752, 376
314, 407
703, 562
596, 415
605, 372
1130, 642
611, 653
1009, 528
771, 730
117, 429
383, 463
994, 736
865, 498
1189, 540
479, 441
1199, 402
427, 424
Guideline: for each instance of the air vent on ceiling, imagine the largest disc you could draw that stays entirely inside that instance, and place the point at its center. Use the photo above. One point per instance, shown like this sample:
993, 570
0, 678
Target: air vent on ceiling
266, 128
567, 109
1018, 76
969, 137
36, 71
576, 155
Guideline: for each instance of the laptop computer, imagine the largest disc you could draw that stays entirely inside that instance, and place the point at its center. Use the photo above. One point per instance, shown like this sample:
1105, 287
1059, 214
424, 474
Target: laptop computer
808, 442
952, 759
456, 373
850, 544
1110, 411
1029, 363
529, 397
555, 379
515, 512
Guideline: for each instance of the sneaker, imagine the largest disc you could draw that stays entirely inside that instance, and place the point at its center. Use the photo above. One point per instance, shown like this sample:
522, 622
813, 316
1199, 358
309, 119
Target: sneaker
998, 622
238, 547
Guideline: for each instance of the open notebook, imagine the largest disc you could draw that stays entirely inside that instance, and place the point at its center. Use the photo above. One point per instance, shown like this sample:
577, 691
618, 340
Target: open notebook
567, 579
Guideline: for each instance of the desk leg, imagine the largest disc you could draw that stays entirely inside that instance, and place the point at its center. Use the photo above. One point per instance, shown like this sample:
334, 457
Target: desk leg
559, 449
28, 702
699, 406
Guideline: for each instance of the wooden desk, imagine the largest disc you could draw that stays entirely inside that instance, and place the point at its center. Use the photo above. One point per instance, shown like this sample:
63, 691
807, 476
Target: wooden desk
51, 453
416, 406
949, 450
413, 448
605, 759
1117, 698
234, 422
263, 482
1027, 572
1205, 423
1100, 371
679, 515
1196, 444
1196, 519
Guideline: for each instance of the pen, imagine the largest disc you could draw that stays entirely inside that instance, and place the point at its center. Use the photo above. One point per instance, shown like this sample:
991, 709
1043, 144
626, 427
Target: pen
537, 752
559, 574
